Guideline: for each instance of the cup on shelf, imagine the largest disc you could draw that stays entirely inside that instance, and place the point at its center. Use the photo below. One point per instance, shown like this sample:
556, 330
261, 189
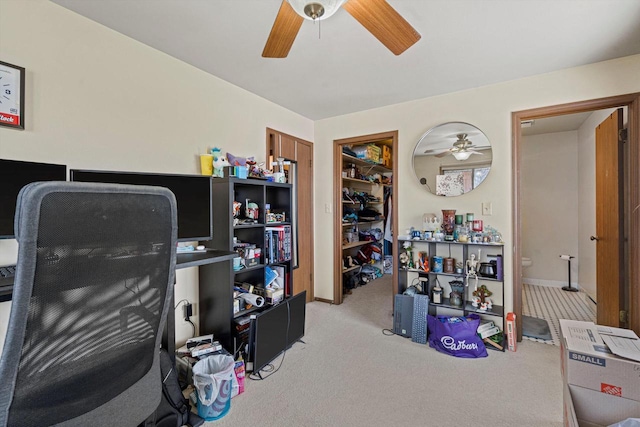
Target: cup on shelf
437, 264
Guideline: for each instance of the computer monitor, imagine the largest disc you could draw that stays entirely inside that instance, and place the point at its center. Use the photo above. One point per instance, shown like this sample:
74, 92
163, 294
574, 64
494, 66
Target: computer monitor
193, 196
276, 329
15, 174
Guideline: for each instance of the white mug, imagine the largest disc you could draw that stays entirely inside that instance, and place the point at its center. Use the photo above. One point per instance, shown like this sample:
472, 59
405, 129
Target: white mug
278, 177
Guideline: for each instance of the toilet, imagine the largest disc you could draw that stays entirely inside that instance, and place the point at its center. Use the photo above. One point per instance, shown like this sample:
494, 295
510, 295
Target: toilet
526, 262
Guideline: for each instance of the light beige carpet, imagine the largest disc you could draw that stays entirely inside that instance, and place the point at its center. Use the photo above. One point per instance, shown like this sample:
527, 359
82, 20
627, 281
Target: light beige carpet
349, 374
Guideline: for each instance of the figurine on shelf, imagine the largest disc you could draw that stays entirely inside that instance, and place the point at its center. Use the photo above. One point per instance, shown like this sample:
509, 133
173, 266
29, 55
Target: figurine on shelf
409, 250
219, 162
430, 222
403, 258
472, 264
423, 262
482, 292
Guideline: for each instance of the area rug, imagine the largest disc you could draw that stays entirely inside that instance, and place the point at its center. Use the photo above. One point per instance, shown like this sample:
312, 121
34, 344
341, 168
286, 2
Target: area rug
533, 327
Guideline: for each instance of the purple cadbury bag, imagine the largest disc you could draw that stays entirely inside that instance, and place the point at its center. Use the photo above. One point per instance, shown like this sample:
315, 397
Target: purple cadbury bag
456, 335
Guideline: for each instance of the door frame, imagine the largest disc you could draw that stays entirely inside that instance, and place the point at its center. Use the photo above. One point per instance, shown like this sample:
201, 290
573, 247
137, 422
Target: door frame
337, 203
632, 102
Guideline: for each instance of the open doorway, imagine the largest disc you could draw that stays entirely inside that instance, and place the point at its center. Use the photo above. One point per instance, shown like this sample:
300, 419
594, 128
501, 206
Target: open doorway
364, 212
631, 196
558, 216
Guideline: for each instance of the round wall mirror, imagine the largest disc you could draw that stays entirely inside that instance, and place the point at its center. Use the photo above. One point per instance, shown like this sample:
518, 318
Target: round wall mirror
452, 159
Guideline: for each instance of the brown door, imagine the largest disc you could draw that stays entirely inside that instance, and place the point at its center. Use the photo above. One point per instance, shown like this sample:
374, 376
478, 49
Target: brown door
609, 221
303, 276
289, 147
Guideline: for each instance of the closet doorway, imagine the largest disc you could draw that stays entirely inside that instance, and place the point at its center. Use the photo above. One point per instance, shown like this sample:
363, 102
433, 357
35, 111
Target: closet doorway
356, 182
629, 304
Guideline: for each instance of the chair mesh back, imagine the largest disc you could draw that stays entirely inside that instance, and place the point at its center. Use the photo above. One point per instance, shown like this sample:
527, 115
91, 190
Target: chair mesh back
101, 274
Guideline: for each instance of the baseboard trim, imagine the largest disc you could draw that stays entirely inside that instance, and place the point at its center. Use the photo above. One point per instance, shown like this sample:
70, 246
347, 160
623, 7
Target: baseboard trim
549, 283
328, 301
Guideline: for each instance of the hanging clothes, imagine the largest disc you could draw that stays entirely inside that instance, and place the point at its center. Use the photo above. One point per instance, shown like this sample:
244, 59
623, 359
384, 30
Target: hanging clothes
388, 231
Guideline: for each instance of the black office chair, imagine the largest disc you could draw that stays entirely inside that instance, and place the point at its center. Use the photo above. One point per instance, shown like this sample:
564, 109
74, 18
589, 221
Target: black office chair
94, 276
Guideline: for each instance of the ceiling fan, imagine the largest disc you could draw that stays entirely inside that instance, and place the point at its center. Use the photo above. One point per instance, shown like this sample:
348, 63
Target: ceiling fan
462, 148
377, 16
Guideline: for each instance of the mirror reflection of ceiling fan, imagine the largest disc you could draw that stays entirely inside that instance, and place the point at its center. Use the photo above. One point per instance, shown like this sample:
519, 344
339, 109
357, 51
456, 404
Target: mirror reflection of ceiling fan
377, 16
462, 148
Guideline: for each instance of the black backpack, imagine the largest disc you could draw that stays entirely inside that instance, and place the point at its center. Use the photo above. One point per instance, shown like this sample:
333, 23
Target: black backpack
174, 409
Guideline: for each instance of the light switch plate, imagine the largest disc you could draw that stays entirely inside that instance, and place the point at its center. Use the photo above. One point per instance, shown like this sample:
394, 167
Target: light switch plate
487, 208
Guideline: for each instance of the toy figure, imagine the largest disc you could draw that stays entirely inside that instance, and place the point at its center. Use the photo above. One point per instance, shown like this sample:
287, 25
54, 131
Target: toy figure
404, 259
219, 162
409, 249
472, 264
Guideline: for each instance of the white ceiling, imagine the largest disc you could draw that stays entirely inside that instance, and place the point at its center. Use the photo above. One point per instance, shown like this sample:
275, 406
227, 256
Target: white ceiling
465, 44
565, 123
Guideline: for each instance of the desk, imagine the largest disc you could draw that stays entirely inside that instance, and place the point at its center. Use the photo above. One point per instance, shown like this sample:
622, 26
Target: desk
183, 260
187, 260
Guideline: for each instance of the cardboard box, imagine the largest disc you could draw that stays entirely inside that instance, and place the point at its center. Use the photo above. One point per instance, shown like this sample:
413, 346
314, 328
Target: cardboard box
488, 332
588, 408
568, 410
593, 408
588, 363
368, 152
274, 296
512, 334
599, 388
486, 326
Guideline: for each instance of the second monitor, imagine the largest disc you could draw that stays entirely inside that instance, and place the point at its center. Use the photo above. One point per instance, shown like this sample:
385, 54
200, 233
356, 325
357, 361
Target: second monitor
193, 196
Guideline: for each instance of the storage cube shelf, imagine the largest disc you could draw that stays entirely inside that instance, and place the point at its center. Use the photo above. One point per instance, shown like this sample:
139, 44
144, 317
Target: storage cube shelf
460, 252
217, 280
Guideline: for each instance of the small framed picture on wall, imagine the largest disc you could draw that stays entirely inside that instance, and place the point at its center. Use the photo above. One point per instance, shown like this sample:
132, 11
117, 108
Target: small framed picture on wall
11, 96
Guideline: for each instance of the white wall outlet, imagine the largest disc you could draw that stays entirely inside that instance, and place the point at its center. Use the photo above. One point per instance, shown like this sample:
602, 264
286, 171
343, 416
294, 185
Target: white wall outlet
327, 208
487, 208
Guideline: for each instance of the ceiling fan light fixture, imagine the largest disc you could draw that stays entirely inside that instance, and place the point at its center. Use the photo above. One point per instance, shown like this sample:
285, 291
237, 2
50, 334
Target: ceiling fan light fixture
315, 10
462, 155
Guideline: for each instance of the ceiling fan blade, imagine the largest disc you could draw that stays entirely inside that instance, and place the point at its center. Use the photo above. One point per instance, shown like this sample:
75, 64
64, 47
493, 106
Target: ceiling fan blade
283, 33
444, 153
384, 23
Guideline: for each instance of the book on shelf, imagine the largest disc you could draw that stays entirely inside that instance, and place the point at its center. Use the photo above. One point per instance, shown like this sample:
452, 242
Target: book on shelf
278, 243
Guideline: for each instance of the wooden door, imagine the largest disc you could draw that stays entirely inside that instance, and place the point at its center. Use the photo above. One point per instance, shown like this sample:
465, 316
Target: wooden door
609, 221
289, 147
303, 275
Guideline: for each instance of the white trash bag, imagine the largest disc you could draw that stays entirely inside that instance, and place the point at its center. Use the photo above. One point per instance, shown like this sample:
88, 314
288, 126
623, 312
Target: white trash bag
212, 378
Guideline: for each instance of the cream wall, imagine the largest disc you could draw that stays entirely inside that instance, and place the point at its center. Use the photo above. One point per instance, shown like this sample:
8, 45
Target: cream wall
549, 206
489, 108
99, 100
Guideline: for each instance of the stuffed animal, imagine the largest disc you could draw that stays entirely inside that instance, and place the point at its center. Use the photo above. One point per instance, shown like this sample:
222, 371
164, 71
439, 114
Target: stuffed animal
219, 162
235, 160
